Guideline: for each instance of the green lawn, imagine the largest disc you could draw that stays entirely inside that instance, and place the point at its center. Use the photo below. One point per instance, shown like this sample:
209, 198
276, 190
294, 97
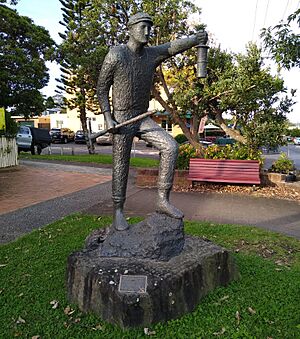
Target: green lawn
264, 303
91, 158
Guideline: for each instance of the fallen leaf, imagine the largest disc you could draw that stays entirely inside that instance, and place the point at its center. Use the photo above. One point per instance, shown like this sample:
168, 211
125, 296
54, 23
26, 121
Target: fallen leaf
97, 328
221, 332
148, 332
54, 304
68, 310
35, 337
77, 320
20, 321
237, 317
251, 310
224, 298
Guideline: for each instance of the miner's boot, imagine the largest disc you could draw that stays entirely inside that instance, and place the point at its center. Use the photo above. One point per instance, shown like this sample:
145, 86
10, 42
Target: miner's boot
164, 206
119, 221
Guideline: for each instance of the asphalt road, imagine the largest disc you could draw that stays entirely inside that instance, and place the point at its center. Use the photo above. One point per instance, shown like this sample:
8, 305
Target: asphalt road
139, 149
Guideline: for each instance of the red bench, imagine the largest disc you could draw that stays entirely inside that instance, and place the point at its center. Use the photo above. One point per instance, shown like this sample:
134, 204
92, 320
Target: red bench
229, 171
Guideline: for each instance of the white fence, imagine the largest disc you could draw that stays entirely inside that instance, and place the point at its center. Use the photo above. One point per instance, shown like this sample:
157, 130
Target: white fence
8, 152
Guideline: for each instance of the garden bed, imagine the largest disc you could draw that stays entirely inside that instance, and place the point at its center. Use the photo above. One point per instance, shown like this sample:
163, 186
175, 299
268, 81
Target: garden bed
273, 185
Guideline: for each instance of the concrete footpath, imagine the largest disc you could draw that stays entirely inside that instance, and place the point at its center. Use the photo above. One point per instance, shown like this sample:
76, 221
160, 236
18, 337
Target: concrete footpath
38, 193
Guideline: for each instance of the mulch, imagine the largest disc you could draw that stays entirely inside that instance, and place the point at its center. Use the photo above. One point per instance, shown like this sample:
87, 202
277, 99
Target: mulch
285, 192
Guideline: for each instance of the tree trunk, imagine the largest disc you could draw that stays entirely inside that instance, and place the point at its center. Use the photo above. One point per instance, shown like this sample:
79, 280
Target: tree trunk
234, 134
82, 109
176, 118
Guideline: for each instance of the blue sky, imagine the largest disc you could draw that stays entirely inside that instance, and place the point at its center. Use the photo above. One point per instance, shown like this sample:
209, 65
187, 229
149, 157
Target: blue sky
233, 23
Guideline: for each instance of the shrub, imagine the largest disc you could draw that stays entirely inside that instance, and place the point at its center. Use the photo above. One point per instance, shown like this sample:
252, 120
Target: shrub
180, 138
186, 152
282, 165
295, 132
234, 152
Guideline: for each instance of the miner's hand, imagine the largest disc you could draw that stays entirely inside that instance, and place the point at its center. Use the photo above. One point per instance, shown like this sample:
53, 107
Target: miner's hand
202, 37
110, 123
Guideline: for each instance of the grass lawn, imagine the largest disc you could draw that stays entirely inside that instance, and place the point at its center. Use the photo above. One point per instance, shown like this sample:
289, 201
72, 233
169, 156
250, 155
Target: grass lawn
92, 158
263, 304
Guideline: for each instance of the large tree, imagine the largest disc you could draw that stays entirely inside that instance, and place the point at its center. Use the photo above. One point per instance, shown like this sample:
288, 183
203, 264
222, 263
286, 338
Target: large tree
80, 55
92, 26
236, 84
24, 48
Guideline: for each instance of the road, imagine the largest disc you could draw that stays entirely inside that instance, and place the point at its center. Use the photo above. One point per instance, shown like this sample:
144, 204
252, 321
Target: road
292, 151
139, 149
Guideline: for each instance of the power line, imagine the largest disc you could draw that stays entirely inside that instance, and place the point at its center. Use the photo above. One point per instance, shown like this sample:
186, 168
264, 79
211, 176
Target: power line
254, 23
267, 8
286, 7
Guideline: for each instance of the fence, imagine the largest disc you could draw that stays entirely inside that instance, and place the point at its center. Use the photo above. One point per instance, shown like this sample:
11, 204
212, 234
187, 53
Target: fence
8, 152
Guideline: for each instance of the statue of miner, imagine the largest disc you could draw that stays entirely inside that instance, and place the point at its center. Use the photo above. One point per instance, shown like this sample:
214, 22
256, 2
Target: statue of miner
129, 69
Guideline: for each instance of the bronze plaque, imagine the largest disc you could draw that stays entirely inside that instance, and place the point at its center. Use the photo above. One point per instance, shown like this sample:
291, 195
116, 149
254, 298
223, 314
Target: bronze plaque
133, 283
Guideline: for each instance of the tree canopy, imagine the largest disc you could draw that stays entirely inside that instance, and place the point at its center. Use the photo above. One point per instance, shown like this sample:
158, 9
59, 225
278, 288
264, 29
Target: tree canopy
24, 48
236, 84
283, 41
80, 55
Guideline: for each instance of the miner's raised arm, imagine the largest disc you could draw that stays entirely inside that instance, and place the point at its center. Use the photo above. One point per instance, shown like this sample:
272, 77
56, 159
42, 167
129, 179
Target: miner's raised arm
180, 45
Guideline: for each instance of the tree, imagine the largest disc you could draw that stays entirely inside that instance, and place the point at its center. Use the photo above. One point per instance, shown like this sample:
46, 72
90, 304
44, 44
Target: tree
80, 56
283, 43
92, 26
49, 103
24, 48
12, 2
236, 84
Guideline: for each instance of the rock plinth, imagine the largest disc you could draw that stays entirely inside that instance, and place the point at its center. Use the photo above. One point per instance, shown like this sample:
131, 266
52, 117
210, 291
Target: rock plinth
133, 290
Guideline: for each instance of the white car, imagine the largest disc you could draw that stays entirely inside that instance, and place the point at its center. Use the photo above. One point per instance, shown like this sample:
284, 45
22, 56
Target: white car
296, 141
105, 139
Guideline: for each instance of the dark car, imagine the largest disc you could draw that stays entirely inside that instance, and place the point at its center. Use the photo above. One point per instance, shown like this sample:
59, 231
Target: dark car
32, 139
61, 135
79, 137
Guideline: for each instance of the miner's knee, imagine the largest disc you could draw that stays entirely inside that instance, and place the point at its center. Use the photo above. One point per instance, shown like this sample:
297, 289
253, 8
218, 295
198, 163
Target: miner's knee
171, 148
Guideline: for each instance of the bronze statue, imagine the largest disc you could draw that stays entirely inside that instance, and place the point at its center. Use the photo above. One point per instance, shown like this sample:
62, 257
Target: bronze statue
129, 69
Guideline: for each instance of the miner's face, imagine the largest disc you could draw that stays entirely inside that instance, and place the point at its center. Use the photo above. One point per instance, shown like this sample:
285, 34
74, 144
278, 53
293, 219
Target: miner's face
140, 32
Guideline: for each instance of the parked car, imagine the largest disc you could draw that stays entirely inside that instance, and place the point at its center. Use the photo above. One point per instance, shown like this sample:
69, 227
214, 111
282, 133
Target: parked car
32, 139
61, 135
203, 143
105, 139
79, 137
222, 141
296, 141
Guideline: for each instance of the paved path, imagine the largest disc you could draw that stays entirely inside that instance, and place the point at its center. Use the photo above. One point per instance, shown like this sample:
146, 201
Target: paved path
38, 193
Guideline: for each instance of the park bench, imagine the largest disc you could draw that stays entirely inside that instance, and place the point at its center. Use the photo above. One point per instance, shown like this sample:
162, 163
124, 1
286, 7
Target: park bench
228, 171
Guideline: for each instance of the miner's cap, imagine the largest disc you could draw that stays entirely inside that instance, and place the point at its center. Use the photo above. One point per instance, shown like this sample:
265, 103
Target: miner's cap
139, 17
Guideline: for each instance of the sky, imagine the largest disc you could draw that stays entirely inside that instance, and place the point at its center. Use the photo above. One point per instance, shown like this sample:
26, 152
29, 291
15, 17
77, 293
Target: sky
232, 23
